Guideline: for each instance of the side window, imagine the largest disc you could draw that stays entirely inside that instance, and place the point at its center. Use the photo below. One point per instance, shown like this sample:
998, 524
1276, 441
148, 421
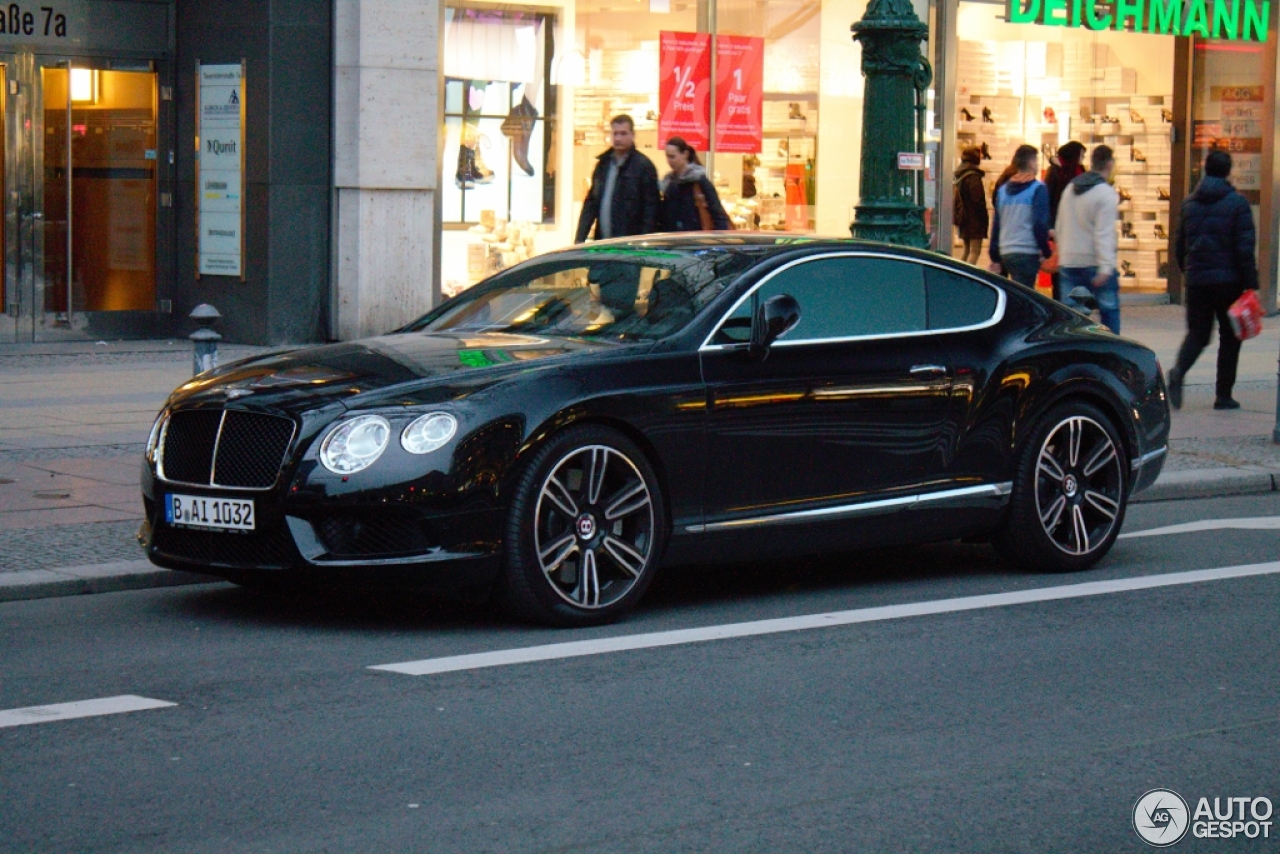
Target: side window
841, 298
957, 301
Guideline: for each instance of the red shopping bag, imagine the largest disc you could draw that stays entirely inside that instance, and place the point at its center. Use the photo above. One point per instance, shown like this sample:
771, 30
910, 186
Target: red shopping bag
1246, 316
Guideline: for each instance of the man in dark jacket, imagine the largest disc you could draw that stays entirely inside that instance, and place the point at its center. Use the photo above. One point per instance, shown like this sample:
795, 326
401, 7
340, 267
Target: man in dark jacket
1214, 247
623, 199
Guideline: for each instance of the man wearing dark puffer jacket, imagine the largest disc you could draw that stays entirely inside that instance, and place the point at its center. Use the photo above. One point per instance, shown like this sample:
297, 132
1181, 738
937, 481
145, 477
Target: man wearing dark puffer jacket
1215, 251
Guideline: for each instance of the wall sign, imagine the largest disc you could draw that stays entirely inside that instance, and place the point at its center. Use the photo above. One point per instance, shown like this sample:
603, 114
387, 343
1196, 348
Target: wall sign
739, 94
220, 170
1237, 20
684, 88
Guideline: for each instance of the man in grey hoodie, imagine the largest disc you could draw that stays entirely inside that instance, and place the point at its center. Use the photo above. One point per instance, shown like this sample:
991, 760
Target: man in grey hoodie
1086, 235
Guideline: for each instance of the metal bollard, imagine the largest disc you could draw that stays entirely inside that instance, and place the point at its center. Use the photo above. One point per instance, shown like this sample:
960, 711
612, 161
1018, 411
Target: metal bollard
204, 338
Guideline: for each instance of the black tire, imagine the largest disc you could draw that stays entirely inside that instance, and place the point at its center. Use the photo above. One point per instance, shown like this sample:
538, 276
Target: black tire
1067, 505
577, 553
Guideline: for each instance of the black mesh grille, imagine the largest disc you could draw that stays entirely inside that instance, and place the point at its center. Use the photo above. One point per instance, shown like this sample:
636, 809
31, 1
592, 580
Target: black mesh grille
260, 549
383, 536
251, 449
188, 445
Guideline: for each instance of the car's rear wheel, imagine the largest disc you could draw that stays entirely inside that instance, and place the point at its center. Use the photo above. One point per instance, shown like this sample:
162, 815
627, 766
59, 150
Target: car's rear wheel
585, 530
1070, 492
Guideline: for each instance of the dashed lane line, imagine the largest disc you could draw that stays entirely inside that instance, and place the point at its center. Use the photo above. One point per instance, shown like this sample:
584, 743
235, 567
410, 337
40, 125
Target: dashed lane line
1254, 523
80, 709
575, 649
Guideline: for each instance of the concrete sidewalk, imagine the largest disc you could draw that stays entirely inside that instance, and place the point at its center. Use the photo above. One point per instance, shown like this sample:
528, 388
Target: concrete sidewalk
74, 419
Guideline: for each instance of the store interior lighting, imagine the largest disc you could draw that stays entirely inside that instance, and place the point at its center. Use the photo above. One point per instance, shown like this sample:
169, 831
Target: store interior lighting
84, 86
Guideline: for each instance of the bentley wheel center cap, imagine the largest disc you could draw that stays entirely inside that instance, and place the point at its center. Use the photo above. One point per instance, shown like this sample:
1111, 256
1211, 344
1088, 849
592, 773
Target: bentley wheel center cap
1070, 486
586, 526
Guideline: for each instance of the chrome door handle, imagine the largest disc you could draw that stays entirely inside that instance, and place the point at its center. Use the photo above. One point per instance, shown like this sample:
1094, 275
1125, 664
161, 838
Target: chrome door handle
928, 371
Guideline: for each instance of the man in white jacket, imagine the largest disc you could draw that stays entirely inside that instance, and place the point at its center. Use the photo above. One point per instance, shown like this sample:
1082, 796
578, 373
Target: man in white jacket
1086, 235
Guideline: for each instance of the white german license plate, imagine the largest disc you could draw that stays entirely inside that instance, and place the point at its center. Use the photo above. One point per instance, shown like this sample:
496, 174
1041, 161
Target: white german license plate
197, 511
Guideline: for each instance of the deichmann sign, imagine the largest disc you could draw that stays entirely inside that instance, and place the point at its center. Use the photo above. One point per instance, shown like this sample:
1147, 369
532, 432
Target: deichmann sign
1233, 20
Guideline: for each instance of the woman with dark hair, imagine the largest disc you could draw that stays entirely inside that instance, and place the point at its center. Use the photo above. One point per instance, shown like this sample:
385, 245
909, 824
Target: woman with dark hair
1066, 168
970, 206
689, 199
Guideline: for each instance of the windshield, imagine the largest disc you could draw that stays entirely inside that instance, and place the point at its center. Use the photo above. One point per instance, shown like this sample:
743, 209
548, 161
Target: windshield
624, 295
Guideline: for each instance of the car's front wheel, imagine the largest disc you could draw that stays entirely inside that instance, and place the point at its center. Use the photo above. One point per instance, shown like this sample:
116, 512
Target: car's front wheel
584, 531
1070, 492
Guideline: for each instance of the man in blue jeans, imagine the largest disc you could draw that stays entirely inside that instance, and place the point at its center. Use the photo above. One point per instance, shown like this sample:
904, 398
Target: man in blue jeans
1020, 233
1086, 235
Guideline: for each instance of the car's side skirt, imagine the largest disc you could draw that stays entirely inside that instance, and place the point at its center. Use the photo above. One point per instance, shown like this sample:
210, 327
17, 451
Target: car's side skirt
992, 494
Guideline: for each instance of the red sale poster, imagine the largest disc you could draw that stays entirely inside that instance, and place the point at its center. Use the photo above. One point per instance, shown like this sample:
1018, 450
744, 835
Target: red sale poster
684, 89
739, 93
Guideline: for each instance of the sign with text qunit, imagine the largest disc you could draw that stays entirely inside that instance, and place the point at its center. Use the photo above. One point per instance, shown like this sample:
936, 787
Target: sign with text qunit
684, 88
1239, 20
911, 161
220, 170
739, 94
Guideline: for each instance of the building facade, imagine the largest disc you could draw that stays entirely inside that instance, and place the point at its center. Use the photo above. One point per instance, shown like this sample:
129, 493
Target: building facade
326, 169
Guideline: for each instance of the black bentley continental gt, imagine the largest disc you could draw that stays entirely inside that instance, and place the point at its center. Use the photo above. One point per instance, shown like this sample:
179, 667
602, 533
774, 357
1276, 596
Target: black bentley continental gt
556, 433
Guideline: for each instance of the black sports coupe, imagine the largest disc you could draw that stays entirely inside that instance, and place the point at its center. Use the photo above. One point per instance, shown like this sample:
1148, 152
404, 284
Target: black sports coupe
556, 433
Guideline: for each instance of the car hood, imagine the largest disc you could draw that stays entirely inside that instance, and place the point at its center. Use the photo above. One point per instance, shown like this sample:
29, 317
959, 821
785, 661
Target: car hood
430, 367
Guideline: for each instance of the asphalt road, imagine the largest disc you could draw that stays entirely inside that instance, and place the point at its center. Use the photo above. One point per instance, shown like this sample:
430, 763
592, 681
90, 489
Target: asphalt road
1020, 727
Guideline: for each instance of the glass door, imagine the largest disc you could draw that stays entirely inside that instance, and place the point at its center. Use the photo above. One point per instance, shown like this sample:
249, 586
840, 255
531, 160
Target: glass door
95, 195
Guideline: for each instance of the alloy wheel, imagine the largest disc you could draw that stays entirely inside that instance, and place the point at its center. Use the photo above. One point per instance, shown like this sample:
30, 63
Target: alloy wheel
594, 526
1079, 485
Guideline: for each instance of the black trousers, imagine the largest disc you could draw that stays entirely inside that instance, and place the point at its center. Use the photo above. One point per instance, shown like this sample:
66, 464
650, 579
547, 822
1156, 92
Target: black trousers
1204, 304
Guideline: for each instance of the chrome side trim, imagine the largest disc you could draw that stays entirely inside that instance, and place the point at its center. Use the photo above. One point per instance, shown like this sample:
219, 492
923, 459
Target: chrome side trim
865, 508
1001, 301
1146, 458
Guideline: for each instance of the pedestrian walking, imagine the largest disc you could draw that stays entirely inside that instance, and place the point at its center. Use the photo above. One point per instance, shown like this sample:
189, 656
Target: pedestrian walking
1086, 237
1068, 166
970, 205
1020, 232
623, 199
1214, 248
689, 199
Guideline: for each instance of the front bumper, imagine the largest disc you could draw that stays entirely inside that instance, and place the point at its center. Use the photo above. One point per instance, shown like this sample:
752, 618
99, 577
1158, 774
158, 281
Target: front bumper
1147, 468
373, 545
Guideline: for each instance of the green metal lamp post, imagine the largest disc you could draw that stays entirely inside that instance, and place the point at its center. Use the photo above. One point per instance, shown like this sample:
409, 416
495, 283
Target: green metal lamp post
893, 110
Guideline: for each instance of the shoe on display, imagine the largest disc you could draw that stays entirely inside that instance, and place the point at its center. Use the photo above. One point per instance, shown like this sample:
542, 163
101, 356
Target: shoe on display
1175, 388
966, 115
1226, 403
1160, 232
1050, 117
1126, 230
986, 116
784, 148
1127, 269
793, 112
1135, 117
986, 152
1166, 116
518, 127
1125, 195
1136, 155
1162, 194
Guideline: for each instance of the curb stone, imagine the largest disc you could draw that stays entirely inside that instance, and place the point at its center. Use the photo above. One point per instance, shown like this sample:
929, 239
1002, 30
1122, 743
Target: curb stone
93, 578
142, 574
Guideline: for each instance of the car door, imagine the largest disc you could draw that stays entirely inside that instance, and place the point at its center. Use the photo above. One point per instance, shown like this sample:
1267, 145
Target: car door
850, 408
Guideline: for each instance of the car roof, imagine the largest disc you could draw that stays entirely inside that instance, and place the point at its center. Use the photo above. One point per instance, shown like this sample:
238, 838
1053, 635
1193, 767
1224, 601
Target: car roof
757, 242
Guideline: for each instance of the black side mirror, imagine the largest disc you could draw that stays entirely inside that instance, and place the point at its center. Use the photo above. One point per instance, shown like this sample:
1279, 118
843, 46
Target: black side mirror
1082, 297
778, 316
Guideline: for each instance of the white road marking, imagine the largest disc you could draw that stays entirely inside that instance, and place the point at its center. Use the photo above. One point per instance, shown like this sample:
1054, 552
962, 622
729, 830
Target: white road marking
80, 709
1256, 523
574, 649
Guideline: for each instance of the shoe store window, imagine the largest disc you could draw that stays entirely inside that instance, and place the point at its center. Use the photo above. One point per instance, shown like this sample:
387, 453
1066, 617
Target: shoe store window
1046, 86
499, 159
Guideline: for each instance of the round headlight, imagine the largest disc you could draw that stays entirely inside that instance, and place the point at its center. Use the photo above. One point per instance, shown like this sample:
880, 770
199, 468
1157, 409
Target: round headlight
428, 433
356, 444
